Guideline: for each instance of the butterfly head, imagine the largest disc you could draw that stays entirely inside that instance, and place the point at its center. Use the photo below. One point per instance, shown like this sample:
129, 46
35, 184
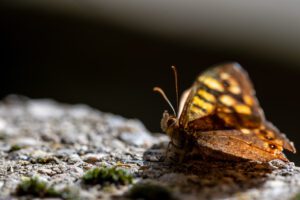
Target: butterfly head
169, 123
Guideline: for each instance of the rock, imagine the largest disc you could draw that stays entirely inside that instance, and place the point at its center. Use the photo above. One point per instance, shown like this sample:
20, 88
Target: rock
60, 142
74, 158
46, 171
93, 158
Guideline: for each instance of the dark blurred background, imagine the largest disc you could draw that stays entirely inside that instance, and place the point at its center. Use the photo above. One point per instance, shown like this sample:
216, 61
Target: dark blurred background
110, 54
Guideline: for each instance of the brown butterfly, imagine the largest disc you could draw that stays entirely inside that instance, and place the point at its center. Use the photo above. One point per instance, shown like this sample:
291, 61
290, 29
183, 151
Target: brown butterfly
220, 117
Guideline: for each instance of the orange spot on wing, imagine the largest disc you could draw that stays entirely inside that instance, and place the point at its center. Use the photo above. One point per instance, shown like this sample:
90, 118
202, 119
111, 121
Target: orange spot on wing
227, 100
245, 131
207, 96
212, 83
202, 104
248, 100
234, 89
242, 109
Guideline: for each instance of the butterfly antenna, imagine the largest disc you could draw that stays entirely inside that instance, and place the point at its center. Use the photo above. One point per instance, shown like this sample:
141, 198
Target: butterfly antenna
176, 85
160, 91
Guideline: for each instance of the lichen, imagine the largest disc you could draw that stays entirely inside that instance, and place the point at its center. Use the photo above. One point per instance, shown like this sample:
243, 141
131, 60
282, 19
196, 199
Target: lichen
106, 175
36, 187
149, 191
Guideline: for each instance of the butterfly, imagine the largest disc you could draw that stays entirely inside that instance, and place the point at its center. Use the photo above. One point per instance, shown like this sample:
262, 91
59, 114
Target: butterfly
220, 117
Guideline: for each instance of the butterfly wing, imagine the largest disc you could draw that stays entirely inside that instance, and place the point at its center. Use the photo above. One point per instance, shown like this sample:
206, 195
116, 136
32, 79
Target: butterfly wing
276, 140
234, 143
222, 101
263, 144
221, 97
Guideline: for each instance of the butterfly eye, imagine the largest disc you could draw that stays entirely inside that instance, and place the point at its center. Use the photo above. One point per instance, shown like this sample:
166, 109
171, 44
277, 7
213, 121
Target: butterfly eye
272, 146
171, 122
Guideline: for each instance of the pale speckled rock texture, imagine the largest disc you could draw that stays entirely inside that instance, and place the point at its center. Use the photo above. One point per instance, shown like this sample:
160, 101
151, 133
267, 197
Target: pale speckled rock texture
59, 142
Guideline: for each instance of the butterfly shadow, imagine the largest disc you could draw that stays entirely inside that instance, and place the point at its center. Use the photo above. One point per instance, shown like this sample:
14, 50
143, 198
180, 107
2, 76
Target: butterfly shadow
207, 178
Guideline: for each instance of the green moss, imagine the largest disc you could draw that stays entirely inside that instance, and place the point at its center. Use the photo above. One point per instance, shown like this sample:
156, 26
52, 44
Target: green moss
296, 197
15, 148
105, 175
149, 191
35, 187
45, 160
38, 188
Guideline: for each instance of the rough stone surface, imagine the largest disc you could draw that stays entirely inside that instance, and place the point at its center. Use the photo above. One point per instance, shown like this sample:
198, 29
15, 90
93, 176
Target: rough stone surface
59, 142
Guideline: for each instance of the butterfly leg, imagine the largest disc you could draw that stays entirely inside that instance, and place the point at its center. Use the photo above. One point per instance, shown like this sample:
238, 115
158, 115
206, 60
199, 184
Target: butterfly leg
174, 153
